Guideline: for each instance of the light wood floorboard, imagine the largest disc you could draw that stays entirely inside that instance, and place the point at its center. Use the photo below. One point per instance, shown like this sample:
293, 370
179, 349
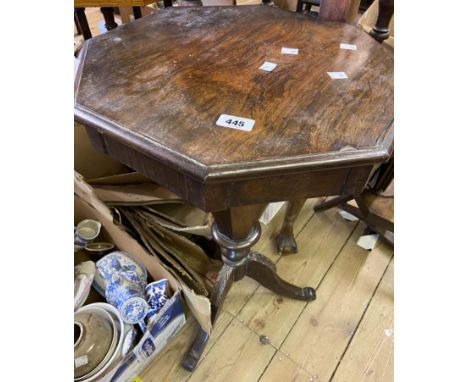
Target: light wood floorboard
345, 335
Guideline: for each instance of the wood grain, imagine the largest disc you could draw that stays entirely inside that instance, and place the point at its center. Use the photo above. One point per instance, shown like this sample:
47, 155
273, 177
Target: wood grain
161, 82
321, 334
282, 368
370, 354
319, 244
238, 345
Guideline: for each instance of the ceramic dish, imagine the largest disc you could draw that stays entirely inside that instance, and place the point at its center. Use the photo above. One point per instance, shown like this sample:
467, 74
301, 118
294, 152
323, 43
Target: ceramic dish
99, 248
84, 276
94, 331
116, 356
113, 346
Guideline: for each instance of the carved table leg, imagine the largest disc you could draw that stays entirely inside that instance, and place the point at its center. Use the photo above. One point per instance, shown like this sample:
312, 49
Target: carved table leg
108, 13
285, 239
262, 269
236, 230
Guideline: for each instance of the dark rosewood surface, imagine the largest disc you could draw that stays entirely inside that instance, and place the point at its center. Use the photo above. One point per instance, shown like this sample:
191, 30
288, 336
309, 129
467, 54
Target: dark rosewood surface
160, 83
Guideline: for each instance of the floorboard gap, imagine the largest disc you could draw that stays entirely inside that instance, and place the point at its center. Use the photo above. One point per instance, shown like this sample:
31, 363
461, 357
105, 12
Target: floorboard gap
360, 320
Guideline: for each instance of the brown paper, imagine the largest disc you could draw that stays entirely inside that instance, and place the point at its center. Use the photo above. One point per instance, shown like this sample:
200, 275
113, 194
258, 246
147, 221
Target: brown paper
89, 205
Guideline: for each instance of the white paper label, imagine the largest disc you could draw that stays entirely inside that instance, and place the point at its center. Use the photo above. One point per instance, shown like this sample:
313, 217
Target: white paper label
80, 361
368, 241
239, 123
267, 66
337, 75
348, 46
289, 50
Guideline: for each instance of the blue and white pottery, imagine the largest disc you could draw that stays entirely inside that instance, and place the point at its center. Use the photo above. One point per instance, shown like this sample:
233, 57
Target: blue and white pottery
85, 232
118, 262
128, 298
156, 296
122, 282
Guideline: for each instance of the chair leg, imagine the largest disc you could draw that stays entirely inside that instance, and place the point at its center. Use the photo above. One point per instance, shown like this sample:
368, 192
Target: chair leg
108, 13
82, 21
333, 203
137, 12
299, 6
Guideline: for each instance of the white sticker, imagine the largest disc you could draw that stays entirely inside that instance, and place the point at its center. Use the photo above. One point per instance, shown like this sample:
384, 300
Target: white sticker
348, 46
388, 332
80, 361
289, 50
337, 75
244, 124
267, 66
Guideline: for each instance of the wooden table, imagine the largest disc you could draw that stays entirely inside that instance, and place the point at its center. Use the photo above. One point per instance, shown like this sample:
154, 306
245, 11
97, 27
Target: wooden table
154, 106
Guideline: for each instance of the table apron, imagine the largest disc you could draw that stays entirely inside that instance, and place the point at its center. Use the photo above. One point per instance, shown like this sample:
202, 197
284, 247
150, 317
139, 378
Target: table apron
218, 196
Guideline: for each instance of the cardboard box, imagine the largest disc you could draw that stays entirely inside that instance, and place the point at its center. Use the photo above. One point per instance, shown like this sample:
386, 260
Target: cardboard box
171, 318
91, 163
165, 325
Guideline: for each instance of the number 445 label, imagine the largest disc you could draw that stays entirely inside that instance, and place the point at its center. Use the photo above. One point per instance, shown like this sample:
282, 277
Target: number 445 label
244, 124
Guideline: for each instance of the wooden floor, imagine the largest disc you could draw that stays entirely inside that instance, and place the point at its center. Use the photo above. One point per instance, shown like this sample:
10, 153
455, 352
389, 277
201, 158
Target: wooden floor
346, 334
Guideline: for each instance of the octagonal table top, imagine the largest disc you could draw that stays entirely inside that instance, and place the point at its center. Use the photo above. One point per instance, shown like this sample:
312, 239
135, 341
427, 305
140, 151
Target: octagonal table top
159, 85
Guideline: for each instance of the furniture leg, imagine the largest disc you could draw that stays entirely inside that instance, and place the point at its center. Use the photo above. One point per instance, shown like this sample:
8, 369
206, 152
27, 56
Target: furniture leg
373, 221
220, 290
77, 25
82, 21
137, 12
108, 13
381, 29
333, 203
236, 230
263, 270
299, 6
285, 241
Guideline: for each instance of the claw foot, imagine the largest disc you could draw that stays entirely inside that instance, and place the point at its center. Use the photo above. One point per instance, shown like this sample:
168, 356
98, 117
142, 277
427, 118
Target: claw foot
286, 244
